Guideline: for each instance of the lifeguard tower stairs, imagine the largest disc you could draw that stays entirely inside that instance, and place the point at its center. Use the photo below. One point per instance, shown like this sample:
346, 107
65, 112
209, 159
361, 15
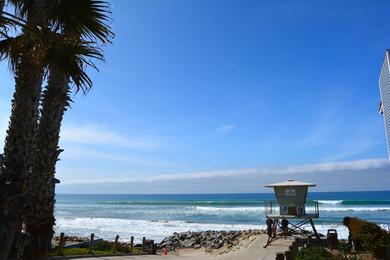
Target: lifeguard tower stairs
291, 205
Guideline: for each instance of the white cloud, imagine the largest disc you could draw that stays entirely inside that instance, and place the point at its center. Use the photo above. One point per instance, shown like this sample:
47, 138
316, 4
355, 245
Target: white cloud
95, 135
337, 166
3, 129
359, 165
224, 129
81, 152
4, 117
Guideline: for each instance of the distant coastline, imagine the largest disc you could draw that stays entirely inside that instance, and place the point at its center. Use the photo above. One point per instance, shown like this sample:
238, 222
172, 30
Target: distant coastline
233, 193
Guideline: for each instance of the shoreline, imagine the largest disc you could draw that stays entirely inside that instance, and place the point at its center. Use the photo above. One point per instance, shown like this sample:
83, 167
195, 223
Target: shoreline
157, 230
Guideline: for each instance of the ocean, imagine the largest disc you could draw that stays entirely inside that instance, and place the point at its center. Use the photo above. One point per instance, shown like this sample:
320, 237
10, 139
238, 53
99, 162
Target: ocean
158, 216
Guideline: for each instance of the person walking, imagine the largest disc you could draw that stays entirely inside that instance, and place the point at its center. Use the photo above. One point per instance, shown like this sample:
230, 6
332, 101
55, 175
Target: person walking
270, 223
284, 224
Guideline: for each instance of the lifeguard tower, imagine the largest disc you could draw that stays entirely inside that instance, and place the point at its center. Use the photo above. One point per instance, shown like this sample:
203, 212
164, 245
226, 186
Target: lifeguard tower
291, 205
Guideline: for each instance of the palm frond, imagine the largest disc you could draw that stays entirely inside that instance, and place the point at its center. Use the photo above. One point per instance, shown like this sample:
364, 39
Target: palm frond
87, 18
31, 44
71, 56
8, 50
21, 7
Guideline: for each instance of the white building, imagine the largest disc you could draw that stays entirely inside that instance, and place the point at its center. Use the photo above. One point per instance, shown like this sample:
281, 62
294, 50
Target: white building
384, 87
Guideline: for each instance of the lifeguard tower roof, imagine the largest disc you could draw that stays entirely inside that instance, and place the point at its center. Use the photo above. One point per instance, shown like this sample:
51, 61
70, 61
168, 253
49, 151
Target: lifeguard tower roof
290, 183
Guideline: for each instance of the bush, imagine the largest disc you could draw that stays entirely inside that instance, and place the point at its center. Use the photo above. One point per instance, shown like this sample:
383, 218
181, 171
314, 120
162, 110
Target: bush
108, 246
368, 236
344, 249
103, 246
313, 253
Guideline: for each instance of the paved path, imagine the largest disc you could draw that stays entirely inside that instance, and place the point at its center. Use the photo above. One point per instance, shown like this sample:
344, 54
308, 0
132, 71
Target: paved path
254, 251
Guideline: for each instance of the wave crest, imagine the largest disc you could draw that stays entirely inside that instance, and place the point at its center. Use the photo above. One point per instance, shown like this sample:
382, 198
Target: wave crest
330, 202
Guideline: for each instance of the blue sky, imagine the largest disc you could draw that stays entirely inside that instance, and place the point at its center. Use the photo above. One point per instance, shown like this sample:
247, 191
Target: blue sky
226, 95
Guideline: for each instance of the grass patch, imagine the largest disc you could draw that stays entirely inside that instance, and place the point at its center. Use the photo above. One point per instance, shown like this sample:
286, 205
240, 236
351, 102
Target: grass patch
314, 253
102, 248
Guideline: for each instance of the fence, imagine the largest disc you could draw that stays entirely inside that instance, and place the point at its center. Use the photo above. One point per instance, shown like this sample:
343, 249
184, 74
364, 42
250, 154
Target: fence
148, 246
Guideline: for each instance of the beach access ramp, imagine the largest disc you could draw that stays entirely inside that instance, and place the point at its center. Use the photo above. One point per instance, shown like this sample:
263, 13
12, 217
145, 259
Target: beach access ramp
253, 251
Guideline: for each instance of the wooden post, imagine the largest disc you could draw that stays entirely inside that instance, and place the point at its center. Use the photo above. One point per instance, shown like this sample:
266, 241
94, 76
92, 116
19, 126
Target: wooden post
288, 255
279, 256
296, 248
115, 244
91, 243
131, 244
292, 250
143, 244
61, 243
388, 251
297, 242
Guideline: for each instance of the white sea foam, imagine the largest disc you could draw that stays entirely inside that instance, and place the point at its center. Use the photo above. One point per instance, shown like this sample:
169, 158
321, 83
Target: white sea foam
328, 208
108, 228
240, 209
330, 202
344, 209
342, 231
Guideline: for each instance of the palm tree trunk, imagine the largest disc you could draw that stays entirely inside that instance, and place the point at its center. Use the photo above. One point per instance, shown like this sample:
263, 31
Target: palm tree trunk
19, 139
23, 121
39, 185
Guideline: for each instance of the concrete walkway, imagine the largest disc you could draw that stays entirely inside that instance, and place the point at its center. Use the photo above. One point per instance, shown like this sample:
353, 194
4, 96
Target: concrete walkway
253, 251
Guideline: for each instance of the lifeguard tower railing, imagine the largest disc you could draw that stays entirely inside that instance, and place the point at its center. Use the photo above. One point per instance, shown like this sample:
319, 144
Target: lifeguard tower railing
272, 210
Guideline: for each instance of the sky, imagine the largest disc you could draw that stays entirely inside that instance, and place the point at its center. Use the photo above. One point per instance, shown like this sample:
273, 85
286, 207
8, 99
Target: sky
225, 96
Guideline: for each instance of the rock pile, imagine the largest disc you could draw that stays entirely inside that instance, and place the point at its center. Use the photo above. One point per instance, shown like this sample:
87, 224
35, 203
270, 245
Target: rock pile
210, 240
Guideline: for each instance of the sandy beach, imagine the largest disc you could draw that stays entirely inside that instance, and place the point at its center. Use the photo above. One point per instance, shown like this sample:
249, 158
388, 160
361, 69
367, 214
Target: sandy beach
253, 249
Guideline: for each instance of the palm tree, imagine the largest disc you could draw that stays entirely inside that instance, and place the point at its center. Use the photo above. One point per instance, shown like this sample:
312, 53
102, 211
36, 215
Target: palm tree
39, 184
28, 148
28, 70
79, 26
27, 65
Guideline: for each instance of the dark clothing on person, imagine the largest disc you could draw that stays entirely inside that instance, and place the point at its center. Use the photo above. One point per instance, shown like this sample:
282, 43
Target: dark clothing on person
269, 223
284, 224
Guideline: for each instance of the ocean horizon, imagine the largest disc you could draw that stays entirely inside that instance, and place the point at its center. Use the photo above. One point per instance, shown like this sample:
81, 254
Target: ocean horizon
156, 216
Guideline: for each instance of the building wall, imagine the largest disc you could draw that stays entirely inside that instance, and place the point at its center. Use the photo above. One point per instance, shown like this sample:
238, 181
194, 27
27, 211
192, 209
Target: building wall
291, 200
384, 86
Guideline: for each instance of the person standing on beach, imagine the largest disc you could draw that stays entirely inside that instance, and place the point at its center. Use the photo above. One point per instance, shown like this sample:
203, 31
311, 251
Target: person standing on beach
284, 227
270, 225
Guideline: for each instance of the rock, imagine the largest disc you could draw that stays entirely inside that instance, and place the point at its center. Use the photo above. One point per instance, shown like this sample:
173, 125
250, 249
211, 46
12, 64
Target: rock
217, 245
186, 243
208, 239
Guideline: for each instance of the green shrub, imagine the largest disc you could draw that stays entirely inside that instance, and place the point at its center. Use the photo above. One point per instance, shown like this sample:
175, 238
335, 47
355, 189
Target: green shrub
107, 246
369, 236
313, 253
103, 246
344, 249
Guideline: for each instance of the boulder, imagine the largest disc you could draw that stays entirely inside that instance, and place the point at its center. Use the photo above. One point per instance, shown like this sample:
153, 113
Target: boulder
208, 239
